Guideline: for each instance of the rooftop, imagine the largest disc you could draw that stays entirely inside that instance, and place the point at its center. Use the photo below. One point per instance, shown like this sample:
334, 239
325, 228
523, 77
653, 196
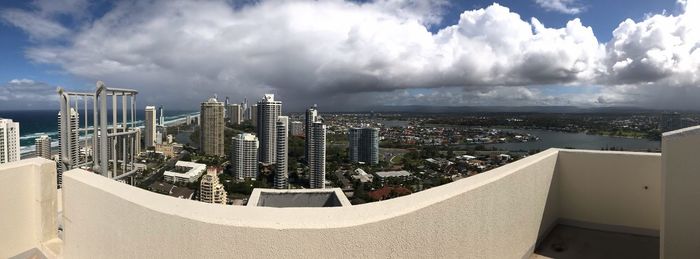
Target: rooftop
299, 198
556, 203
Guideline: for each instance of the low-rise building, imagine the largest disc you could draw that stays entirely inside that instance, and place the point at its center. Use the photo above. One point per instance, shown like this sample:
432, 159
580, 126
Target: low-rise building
362, 176
185, 172
384, 175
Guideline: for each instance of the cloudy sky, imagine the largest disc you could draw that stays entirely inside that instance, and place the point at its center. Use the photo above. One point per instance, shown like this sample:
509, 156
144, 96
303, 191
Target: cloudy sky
347, 55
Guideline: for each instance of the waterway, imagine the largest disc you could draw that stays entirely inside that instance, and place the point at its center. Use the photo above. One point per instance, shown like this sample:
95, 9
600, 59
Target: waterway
555, 139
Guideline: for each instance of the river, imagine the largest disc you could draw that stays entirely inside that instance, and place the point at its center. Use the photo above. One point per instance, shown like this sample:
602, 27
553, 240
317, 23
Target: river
555, 139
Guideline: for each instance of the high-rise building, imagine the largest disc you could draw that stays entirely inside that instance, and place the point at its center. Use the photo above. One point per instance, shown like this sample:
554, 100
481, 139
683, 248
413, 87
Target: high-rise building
210, 190
9, 141
226, 112
149, 125
268, 110
670, 121
43, 146
317, 155
282, 138
254, 115
234, 114
244, 156
161, 118
364, 145
310, 118
296, 128
212, 127
71, 158
137, 143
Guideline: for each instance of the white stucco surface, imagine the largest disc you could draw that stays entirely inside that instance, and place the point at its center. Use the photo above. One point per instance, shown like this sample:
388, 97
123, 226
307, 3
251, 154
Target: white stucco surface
492, 215
619, 189
27, 205
680, 223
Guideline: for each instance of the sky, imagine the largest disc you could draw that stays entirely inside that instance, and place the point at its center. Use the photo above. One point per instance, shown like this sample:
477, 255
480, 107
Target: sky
352, 55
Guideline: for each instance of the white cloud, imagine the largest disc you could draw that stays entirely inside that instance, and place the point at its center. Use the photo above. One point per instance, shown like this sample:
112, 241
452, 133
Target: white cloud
308, 49
38, 28
341, 53
26, 93
562, 6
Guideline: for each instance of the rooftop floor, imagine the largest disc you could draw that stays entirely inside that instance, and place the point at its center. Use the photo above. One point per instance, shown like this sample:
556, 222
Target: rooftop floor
568, 242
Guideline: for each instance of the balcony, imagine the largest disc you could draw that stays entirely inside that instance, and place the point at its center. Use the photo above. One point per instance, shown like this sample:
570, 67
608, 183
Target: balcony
557, 203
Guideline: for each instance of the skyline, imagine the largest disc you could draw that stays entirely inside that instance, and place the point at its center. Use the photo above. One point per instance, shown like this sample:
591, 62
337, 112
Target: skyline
364, 54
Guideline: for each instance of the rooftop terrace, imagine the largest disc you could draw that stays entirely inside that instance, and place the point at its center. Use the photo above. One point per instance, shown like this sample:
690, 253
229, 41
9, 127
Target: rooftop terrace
557, 203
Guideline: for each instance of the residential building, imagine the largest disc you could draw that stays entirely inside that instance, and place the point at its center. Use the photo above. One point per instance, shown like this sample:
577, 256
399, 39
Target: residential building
161, 118
296, 128
268, 110
282, 138
317, 155
43, 146
364, 145
149, 124
137, 143
254, 115
234, 114
71, 158
9, 141
310, 118
212, 127
244, 156
185, 172
210, 190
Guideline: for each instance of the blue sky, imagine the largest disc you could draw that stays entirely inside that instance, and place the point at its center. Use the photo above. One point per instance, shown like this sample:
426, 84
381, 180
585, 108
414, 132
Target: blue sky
48, 59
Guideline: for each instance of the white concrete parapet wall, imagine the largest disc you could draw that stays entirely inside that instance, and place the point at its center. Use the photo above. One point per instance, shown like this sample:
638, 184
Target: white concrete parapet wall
680, 222
491, 215
28, 200
607, 190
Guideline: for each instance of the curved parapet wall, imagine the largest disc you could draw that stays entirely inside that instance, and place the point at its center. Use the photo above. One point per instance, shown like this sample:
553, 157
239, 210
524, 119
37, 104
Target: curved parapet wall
491, 215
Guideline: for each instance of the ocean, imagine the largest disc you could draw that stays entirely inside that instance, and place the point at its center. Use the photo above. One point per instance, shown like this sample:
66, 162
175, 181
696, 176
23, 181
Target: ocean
33, 124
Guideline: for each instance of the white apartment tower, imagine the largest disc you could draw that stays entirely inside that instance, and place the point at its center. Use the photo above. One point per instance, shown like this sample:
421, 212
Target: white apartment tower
210, 190
9, 141
149, 125
244, 156
43, 146
268, 111
310, 118
72, 158
317, 155
211, 132
282, 139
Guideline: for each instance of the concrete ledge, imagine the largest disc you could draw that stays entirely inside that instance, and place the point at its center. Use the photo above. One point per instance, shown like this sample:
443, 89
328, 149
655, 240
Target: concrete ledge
491, 215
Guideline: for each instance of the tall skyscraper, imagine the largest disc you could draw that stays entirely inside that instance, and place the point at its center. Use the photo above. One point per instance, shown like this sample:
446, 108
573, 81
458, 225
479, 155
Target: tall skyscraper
244, 156
212, 127
254, 115
226, 112
317, 155
268, 110
234, 114
161, 118
364, 145
9, 141
310, 118
137, 143
149, 125
43, 146
210, 190
282, 138
71, 158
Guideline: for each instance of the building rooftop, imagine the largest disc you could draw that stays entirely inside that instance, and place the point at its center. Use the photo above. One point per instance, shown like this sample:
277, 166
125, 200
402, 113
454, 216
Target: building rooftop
558, 203
298, 198
393, 173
